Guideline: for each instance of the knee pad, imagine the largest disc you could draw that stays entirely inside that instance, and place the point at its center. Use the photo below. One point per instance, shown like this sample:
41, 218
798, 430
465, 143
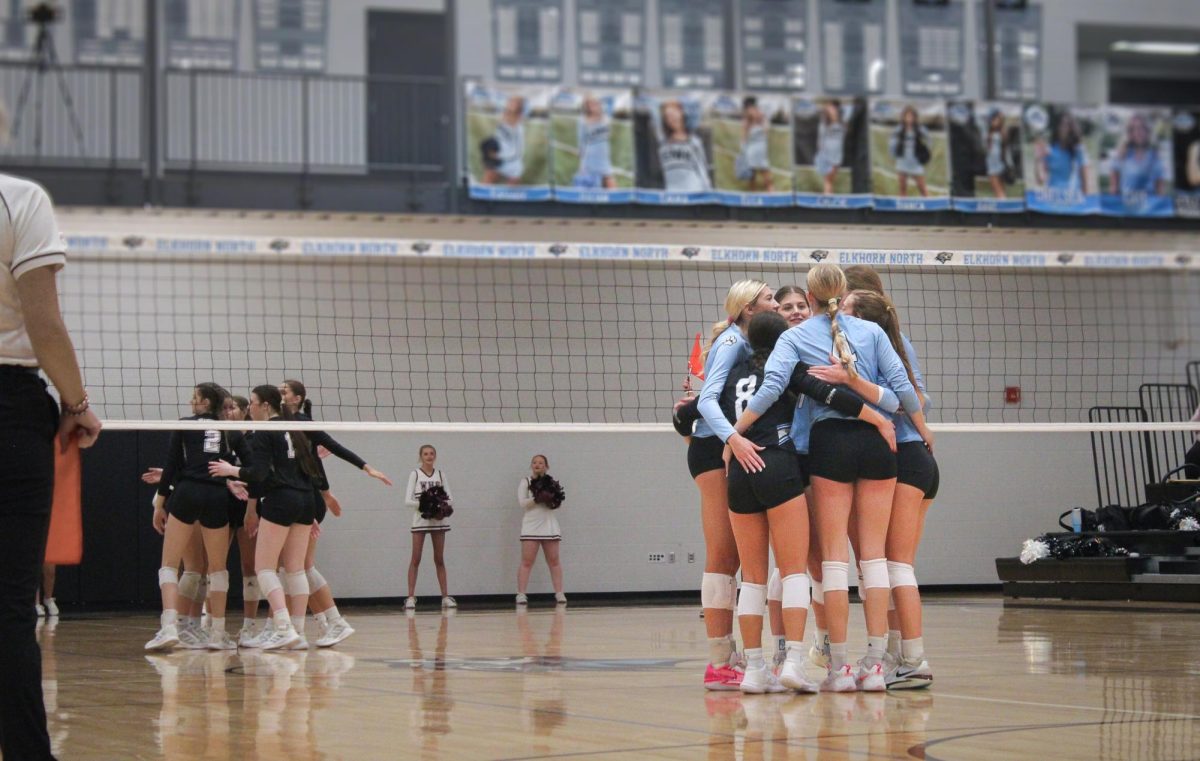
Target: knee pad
250, 589
315, 579
717, 591
295, 584
268, 582
775, 586
874, 573
218, 582
752, 601
818, 592
189, 585
796, 591
167, 576
835, 576
901, 574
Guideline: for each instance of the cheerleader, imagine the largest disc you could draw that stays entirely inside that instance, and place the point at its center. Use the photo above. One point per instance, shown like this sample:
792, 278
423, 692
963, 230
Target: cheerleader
850, 463
916, 488
280, 469
422, 477
331, 627
539, 528
792, 304
198, 497
726, 349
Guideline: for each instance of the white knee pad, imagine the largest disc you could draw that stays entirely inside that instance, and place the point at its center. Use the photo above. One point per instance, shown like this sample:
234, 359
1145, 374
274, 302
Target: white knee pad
218, 582
818, 592
189, 585
835, 576
268, 582
775, 586
295, 584
874, 573
315, 580
752, 601
250, 590
717, 591
901, 574
167, 576
795, 591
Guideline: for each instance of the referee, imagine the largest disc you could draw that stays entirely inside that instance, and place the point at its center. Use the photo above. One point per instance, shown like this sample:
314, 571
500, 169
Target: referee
32, 335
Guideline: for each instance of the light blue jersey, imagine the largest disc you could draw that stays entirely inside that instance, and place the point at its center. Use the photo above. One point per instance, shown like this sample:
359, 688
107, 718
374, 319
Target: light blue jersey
905, 430
511, 139
730, 348
810, 342
595, 155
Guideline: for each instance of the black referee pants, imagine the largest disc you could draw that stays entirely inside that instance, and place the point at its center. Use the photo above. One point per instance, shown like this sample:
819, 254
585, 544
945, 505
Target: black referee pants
28, 421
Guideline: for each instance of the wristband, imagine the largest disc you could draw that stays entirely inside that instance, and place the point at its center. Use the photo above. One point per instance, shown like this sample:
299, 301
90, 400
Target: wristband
76, 409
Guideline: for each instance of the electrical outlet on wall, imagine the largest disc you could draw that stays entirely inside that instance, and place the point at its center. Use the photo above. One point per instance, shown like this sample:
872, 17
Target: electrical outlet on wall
657, 557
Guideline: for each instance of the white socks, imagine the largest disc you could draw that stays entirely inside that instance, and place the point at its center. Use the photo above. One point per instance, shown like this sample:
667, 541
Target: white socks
913, 649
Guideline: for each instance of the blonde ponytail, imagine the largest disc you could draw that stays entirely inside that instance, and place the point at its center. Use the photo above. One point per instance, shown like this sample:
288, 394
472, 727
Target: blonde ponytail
826, 284
741, 294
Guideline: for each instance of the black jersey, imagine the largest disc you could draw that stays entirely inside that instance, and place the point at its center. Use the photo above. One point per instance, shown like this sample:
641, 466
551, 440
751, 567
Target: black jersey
773, 427
322, 439
734, 400
272, 462
190, 452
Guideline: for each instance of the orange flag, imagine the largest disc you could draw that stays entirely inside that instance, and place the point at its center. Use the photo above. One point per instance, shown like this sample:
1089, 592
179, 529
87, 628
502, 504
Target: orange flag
65, 544
695, 365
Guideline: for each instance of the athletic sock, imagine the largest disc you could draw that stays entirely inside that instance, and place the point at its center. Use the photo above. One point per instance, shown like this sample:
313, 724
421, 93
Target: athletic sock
823, 639
796, 653
837, 655
298, 624
913, 649
719, 650
893, 646
780, 644
876, 649
332, 615
247, 623
217, 624
168, 618
754, 658
281, 619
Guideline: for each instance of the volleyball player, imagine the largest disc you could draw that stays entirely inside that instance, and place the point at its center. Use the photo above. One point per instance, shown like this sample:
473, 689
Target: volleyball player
752, 163
422, 477
680, 152
280, 469
916, 488
197, 497
850, 463
793, 304
237, 408
539, 528
594, 136
509, 139
768, 506
331, 627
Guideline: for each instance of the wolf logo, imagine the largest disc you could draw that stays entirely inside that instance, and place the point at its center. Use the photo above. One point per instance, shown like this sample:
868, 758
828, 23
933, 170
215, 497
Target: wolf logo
819, 256
280, 244
945, 257
691, 252
558, 249
420, 247
133, 241
1066, 258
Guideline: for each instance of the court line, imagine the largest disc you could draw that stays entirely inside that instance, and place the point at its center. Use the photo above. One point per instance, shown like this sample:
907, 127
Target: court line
984, 732
1066, 706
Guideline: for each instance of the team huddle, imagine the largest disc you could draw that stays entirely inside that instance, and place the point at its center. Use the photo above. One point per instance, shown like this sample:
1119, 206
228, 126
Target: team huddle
800, 458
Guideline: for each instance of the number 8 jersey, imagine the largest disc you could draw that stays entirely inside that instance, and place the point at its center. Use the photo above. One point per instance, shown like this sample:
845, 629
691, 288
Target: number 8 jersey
773, 428
189, 454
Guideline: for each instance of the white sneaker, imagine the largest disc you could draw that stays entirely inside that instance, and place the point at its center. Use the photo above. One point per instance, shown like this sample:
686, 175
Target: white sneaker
792, 676
761, 680
818, 657
256, 640
51, 607
337, 631
191, 638
410, 603
840, 680
560, 599
281, 638
871, 678
909, 674
40, 610
522, 599
245, 635
167, 637
221, 641
299, 644
449, 602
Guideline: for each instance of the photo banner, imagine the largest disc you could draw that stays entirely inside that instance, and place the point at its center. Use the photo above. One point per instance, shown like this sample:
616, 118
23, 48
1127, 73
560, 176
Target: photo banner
1059, 148
591, 138
508, 142
752, 148
1135, 173
1186, 149
673, 150
985, 156
910, 156
833, 166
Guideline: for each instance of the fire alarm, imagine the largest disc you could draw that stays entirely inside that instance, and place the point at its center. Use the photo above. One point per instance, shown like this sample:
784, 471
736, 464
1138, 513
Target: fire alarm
1012, 394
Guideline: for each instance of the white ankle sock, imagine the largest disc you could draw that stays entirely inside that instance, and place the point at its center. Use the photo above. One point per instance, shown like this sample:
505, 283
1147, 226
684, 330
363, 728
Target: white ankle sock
719, 650
754, 658
893, 646
837, 655
913, 649
876, 649
168, 618
796, 653
298, 624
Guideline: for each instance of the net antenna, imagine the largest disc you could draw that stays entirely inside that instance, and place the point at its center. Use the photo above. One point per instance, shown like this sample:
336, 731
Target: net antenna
44, 61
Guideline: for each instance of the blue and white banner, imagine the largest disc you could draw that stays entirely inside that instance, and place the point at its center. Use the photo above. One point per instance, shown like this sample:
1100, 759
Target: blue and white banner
1186, 149
1136, 162
674, 150
508, 142
832, 161
1059, 147
591, 146
985, 156
910, 156
751, 148
84, 244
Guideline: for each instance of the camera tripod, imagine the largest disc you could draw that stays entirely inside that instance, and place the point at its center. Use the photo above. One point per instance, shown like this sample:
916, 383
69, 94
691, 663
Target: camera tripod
44, 61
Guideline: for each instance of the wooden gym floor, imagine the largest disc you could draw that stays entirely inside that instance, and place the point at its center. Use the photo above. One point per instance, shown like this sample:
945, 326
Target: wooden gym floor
1012, 681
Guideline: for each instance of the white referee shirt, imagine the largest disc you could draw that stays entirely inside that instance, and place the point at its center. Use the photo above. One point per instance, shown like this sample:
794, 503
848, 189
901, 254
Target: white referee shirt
29, 239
